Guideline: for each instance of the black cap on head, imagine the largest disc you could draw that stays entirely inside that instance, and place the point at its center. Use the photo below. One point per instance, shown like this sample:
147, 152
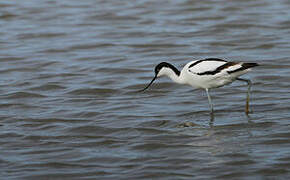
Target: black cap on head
167, 65
158, 68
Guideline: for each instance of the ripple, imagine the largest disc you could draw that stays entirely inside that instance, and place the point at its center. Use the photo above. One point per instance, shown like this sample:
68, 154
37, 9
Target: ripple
40, 35
48, 87
70, 71
7, 16
20, 95
93, 91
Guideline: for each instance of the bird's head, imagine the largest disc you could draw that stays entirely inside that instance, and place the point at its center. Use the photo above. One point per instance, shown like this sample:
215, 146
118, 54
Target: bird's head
160, 70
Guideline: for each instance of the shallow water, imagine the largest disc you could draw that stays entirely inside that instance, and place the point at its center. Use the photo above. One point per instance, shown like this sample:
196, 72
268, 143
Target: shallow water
69, 71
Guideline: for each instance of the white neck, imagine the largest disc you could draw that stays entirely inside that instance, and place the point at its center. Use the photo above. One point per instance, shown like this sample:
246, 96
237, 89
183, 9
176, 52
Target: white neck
173, 76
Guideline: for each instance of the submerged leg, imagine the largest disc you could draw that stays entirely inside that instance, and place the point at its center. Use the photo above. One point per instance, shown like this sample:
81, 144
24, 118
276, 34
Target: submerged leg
248, 93
209, 101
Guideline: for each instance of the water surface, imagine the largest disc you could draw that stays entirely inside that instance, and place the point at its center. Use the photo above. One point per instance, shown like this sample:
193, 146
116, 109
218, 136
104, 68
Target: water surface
69, 71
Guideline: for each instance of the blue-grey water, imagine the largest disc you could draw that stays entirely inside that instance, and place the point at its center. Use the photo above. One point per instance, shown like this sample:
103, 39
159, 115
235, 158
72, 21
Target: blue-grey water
70, 69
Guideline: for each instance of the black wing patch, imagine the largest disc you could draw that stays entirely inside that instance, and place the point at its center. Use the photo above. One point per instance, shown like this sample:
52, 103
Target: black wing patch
208, 59
218, 69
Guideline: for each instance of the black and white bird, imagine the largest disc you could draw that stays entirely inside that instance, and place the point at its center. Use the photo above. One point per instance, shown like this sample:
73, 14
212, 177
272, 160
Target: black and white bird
206, 74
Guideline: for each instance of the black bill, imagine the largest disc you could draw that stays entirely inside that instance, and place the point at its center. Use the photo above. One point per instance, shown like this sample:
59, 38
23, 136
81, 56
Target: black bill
148, 84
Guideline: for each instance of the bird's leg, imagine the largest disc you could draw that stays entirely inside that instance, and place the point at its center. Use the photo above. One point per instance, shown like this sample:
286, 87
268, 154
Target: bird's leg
248, 93
209, 101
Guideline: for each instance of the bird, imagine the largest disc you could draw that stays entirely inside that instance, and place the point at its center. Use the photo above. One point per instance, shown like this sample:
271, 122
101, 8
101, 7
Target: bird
206, 74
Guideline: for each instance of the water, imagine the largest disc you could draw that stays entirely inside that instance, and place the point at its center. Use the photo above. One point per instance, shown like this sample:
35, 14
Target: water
69, 71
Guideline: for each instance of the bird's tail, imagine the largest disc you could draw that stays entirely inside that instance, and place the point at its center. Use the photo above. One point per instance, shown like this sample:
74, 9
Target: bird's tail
249, 65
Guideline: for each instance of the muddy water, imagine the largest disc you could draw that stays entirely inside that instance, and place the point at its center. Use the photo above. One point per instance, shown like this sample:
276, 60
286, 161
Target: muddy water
69, 71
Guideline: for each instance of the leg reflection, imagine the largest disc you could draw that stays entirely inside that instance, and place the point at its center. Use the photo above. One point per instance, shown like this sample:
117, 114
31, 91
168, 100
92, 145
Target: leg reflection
211, 119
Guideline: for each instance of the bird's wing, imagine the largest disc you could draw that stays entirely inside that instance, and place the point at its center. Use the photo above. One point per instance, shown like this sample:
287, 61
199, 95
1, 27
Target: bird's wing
212, 66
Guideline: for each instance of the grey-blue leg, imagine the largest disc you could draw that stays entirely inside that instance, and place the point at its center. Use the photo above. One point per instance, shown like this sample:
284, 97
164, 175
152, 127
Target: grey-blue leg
248, 93
209, 101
